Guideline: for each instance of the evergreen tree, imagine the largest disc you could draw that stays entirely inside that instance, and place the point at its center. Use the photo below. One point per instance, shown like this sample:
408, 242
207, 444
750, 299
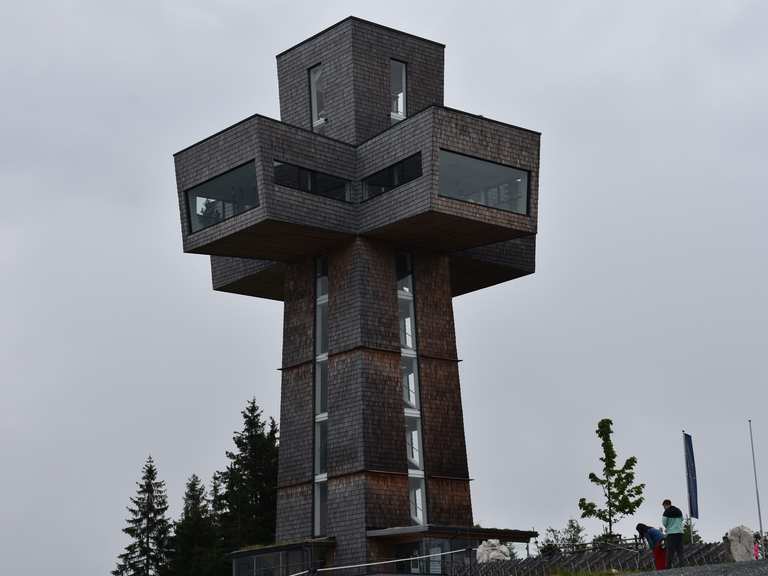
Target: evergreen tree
621, 495
690, 534
194, 550
148, 528
218, 506
249, 497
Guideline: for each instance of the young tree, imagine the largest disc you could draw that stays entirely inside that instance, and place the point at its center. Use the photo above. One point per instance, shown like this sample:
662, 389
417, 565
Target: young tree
250, 483
690, 534
621, 495
194, 550
148, 527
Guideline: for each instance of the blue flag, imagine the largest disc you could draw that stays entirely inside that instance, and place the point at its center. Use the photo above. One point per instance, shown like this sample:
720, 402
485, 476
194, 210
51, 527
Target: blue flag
690, 476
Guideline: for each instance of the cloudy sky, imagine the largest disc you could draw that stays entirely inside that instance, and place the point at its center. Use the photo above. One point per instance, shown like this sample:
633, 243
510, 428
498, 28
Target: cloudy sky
648, 305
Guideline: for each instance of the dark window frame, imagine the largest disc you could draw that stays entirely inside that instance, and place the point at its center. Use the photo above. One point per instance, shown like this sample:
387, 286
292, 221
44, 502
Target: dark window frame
405, 88
311, 107
313, 174
186, 192
528, 173
400, 162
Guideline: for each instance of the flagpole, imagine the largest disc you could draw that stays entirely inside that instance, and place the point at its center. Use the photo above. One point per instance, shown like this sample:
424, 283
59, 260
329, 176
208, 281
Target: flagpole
757, 491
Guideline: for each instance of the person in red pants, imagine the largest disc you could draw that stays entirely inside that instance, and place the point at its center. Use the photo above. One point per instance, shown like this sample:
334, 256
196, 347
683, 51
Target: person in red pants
655, 540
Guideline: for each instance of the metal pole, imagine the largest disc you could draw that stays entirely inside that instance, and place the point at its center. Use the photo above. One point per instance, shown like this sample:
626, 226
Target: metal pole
757, 491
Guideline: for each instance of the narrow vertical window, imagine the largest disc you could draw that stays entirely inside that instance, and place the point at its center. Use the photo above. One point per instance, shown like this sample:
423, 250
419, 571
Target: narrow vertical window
321, 397
397, 91
409, 371
317, 96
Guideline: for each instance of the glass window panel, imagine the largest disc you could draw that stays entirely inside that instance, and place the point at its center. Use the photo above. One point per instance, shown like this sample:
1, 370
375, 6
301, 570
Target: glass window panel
311, 181
321, 387
413, 442
321, 275
393, 176
397, 87
416, 494
321, 508
410, 380
407, 324
222, 197
403, 270
482, 182
317, 92
436, 562
244, 566
321, 339
321, 447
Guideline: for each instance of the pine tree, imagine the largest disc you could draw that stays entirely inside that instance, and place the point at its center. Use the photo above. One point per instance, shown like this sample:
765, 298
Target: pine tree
622, 496
250, 483
194, 551
148, 528
690, 534
218, 506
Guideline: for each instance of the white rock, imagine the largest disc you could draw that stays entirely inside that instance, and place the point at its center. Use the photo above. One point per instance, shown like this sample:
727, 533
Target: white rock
742, 543
492, 550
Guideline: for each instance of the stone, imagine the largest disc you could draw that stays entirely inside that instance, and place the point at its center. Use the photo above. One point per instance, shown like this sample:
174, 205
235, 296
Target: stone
742, 542
491, 551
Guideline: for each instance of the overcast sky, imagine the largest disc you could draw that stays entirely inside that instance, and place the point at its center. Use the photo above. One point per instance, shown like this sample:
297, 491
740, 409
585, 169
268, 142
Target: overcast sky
648, 305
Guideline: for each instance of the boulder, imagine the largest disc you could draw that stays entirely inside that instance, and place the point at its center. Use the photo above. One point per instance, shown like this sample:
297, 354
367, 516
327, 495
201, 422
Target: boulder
741, 542
492, 550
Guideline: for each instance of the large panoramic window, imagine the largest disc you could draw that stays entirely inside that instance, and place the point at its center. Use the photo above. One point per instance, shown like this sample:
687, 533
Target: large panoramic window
222, 197
482, 182
311, 181
317, 96
392, 176
397, 79
321, 397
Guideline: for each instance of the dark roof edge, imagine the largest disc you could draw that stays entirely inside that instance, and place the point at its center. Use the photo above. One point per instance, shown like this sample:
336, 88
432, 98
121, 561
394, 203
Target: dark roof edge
253, 116
355, 18
479, 532
430, 107
327, 541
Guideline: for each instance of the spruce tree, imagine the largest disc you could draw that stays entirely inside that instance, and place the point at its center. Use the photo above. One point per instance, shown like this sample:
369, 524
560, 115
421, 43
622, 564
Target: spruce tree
250, 483
621, 495
148, 527
194, 550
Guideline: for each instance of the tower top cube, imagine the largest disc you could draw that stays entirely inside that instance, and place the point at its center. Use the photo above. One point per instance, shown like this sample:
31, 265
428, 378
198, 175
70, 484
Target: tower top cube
355, 62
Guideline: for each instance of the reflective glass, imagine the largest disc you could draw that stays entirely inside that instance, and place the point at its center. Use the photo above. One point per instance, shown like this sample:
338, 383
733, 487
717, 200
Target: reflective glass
482, 182
413, 442
321, 387
416, 494
403, 269
321, 336
407, 324
311, 181
222, 197
317, 92
410, 380
321, 447
321, 508
397, 87
321, 275
392, 176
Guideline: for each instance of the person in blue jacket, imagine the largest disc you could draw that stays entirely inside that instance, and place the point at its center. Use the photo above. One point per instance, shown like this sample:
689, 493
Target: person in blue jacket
655, 540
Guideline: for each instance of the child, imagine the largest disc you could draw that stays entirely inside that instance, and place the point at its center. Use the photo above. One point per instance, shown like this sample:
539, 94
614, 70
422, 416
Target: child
654, 538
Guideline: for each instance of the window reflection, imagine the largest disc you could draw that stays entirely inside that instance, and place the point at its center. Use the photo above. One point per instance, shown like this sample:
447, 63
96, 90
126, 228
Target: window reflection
482, 182
397, 89
392, 176
222, 197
